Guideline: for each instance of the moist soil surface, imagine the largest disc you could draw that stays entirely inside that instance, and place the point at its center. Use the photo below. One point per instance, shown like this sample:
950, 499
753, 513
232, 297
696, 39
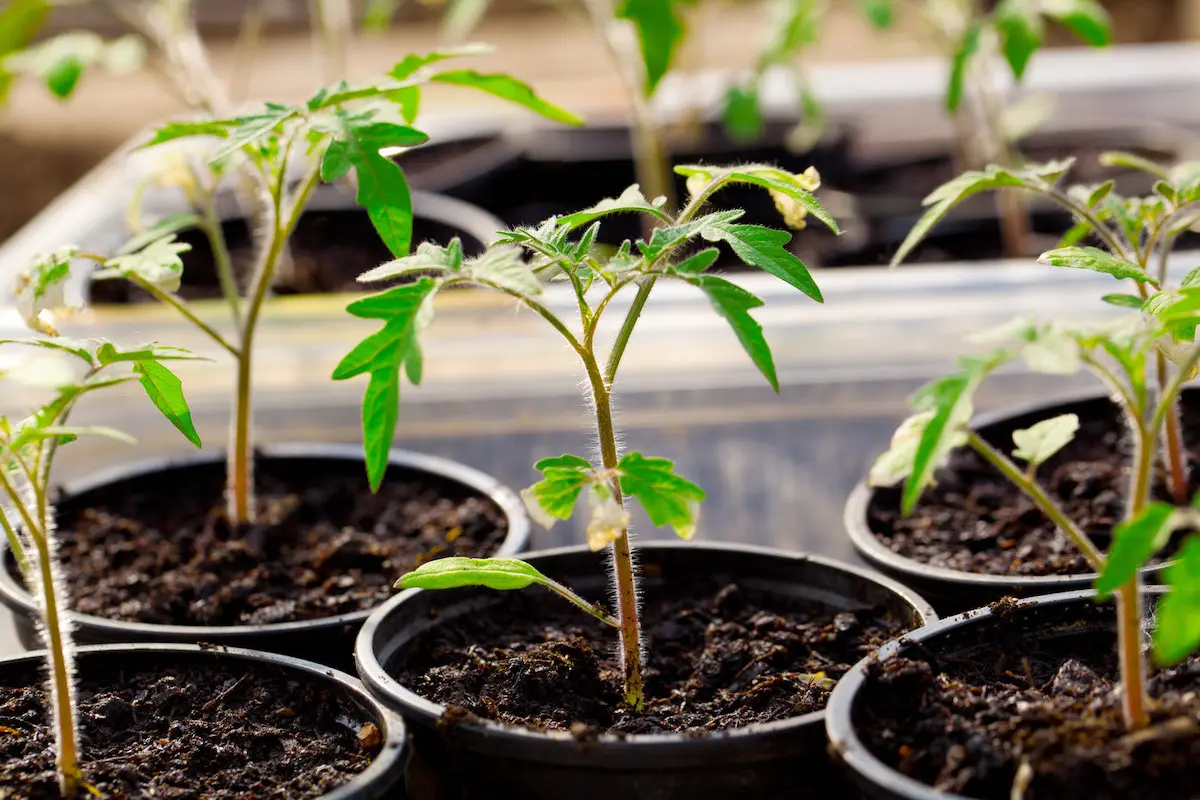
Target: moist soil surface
213, 729
966, 723
723, 656
161, 550
329, 250
974, 520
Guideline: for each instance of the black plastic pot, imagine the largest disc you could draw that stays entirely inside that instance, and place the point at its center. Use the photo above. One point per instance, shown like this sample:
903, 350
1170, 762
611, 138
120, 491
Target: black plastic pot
486, 759
952, 591
1063, 615
327, 641
379, 780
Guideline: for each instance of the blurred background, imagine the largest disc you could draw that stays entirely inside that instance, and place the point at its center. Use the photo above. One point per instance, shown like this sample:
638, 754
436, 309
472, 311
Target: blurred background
830, 84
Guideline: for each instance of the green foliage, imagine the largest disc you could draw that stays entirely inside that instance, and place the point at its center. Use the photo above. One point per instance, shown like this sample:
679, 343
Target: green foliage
157, 264
20, 21
510, 89
1134, 542
880, 13
668, 498
1177, 634
734, 304
1037, 443
61, 61
455, 573
554, 497
1097, 260
166, 392
660, 29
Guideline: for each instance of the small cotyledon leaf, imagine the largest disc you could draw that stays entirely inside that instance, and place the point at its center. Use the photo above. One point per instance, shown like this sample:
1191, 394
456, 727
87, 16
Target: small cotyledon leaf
457, 572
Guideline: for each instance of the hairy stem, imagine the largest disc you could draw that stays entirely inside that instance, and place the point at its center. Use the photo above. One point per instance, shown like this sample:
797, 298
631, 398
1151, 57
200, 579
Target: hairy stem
1172, 434
15, 544
627, 610
1046, 504
1129, 604
240, 471
215, 234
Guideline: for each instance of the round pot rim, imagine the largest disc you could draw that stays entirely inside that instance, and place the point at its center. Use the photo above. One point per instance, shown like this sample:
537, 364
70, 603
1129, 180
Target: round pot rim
15, 596
388, 764
843, 737
854, 518
607, 750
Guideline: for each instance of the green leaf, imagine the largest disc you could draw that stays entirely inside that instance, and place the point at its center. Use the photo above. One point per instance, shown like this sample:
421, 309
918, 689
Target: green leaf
1178, 631
63, 75
161, 229
1123, 300
1020, 29
249, 130
1037, 443
631, 201
185, 130
401, 307
1134, 542
383, 192
380, 410
795, 187
765, 248
947, 196
108, 353
668, 498
666, 237
1118, 158
20, 22
508, 88
897, 463
410, 64
1099, 193
166, 392
967, 47
740, 115
659, 30
504, 267
697, 263
1097, 260
73, 432
1087, 19
950, 399
554, 497
429, 257
1191, 280
879, 13
456, 572
158, 264
734, 304
74, 347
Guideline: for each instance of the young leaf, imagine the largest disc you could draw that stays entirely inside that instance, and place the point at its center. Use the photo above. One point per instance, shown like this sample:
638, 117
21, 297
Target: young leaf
185, 130
740, 114
659, 29
76, 348
409, 66
697, 262
508, 88
429, 257
380, 410
764, 248
668, 498
734, 303
1037, 443
796, 187
1178, 631
504, 268
967, 47
382, 190
1134, 542
897, 463
457, 572
630, 201
400, 307
162, 229
554, 497
948, 195
950, 400
1020, 28
1097, 260
1087, 19
1123, 300
250, 129
879, 13
158, 264
166, 392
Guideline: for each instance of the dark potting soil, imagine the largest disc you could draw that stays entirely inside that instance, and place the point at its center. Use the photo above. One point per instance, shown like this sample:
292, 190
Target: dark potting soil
723, 656
329, 250
974, 520
218, 730
966, 724
163, 552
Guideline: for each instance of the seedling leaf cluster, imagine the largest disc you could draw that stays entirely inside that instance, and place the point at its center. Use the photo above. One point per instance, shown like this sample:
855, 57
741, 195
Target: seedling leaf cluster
678, 248
1143, 355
